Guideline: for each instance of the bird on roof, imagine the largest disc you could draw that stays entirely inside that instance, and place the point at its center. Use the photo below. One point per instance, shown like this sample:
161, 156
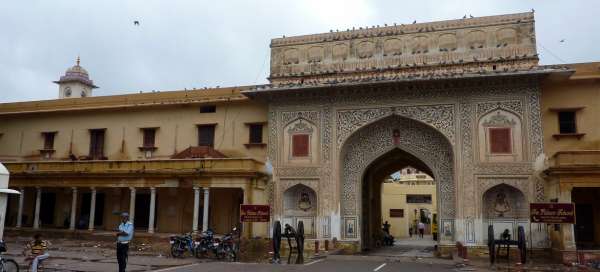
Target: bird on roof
415, 21
465, 17
471, 16
136, 23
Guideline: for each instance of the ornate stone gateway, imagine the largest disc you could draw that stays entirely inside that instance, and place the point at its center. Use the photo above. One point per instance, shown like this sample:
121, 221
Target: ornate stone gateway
461, 97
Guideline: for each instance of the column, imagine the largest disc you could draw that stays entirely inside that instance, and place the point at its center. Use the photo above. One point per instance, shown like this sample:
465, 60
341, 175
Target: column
152, 209
73, 209
36, 216
92, 209
196, 209
20, 212
132, 204
205, 213
567, 231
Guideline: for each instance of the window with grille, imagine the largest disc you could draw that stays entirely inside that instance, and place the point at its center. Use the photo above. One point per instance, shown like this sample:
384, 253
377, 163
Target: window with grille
206, 135
149, 137
256, 131
97, 144
300, 145
48, 140
418, 198
566, 122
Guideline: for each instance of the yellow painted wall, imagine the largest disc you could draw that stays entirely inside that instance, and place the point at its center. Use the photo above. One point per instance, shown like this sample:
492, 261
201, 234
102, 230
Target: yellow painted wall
394, 197
572, 93
21, 134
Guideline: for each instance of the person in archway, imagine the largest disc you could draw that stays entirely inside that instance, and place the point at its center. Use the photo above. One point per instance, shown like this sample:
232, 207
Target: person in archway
421, 227
386, 227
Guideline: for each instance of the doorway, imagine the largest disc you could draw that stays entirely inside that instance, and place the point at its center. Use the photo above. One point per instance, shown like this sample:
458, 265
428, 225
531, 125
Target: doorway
47, 209
398, 201
84, 217
587, 217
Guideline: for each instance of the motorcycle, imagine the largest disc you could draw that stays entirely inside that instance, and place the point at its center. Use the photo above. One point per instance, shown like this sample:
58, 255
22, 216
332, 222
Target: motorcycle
182, 243
204, 244
227, 246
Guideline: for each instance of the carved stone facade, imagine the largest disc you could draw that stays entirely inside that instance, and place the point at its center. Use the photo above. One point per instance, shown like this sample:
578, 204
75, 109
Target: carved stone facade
438, 124
440, 86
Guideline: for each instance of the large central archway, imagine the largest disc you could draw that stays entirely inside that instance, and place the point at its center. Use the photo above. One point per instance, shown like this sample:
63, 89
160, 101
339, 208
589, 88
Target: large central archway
394, 138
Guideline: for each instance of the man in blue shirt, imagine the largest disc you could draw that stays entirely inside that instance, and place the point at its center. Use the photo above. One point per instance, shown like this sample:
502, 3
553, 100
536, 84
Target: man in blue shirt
124, 236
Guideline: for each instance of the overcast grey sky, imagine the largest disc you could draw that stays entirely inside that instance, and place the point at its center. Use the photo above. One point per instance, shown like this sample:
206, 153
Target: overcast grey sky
185, 44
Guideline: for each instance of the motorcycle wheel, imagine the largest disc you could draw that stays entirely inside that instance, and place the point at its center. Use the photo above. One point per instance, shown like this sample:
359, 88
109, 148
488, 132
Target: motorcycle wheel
176, 250
199, 253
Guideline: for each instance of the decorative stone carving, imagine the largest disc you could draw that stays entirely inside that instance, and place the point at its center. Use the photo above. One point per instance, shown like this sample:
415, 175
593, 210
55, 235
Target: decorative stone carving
350, 120
499, 120
316, 54
392, 47
297, 171
289, 116
418, 139
301, 127
514, 106
365, 49
440, 117
450, 109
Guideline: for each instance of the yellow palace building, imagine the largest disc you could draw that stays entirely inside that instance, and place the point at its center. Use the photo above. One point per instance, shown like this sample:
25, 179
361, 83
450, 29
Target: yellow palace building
464, 101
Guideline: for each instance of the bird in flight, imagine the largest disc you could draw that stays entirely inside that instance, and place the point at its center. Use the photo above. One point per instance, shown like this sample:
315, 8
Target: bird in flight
136, 23
562, 41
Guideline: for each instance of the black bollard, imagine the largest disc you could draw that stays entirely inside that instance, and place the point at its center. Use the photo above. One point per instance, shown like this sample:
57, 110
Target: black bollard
276, 242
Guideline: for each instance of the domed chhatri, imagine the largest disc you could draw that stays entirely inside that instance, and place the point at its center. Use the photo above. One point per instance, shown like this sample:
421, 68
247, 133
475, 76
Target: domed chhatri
75, 83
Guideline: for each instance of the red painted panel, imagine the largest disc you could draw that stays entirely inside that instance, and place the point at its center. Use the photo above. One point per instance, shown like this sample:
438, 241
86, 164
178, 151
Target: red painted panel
300, 145
500, 140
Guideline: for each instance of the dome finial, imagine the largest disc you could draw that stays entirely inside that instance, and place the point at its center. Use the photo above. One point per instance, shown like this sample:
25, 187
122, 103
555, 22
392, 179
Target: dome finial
77, 60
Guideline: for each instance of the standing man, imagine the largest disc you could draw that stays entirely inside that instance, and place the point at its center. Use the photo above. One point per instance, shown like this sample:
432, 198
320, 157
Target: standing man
124, 236
421, 229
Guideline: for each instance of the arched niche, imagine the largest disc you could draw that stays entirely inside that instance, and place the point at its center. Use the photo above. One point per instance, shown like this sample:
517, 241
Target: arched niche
500, 137
505, 37
504, 202
300, 204
301, 143
506, 208
447, 42
476, 39
291, 56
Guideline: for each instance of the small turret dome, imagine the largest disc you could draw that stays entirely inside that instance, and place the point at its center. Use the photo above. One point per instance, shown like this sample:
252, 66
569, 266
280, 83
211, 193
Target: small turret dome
77, 74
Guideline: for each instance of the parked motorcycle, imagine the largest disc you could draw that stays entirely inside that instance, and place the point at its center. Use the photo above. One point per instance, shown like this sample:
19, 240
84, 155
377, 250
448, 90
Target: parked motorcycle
182, 243
205, 244
227, 246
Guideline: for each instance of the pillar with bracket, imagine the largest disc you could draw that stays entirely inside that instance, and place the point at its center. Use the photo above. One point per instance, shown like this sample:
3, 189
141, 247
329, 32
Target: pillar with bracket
152, 209
196, 209
73, 208
36, 216
205, 213
20, 211
92, 209
132, 204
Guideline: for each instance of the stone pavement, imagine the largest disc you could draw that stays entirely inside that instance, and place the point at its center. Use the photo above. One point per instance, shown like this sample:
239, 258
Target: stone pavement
76, 255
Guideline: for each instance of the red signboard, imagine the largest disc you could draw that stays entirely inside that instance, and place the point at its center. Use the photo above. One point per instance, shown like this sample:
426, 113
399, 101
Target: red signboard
254, 213
553, 213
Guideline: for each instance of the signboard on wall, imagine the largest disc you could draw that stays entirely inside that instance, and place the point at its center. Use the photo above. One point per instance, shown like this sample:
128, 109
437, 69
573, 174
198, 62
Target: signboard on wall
254, 213
396, 212
552, 213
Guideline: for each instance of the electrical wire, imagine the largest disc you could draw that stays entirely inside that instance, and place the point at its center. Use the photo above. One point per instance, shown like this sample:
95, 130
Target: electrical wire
552, 54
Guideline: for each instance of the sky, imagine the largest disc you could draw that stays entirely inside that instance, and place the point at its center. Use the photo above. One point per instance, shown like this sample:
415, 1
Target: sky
193, 44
